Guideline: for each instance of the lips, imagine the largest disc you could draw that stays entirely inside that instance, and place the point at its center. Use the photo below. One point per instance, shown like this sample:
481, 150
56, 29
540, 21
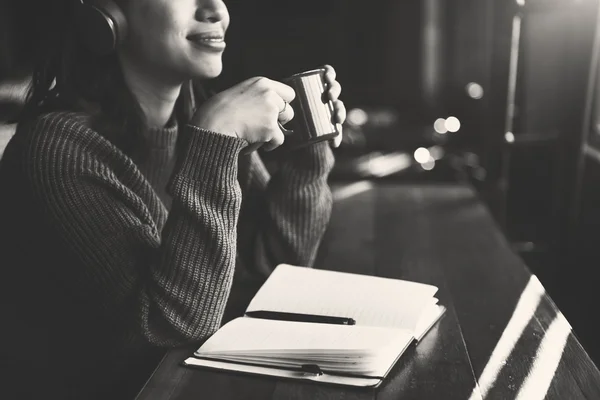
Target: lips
212, 37
208, 41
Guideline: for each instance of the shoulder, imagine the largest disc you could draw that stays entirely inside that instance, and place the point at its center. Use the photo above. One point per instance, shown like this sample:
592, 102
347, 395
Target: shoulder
66, 138
60, 127
62, 120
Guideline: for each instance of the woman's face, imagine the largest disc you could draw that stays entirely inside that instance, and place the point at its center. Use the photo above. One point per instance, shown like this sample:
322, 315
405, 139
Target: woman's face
175, 40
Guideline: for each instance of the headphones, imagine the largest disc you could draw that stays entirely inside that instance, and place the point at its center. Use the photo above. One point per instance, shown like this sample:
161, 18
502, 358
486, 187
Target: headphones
101, 24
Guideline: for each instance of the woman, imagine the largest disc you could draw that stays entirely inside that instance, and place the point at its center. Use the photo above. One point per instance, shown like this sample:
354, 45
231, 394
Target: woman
128, 201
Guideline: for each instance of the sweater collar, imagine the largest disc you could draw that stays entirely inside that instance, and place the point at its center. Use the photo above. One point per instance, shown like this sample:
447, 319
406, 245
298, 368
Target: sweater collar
162, 137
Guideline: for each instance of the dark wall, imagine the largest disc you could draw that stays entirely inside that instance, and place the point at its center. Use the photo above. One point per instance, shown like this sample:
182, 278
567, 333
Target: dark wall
18, 35
375, 47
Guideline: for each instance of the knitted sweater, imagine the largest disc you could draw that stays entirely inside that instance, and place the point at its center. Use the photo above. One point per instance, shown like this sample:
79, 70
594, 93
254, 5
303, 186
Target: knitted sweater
99, 271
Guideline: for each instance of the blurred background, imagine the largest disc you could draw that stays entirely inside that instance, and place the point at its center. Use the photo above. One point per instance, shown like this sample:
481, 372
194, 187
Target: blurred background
501, 95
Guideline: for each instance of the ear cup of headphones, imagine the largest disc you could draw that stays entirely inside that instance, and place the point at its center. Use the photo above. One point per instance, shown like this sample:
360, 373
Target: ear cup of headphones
102, 26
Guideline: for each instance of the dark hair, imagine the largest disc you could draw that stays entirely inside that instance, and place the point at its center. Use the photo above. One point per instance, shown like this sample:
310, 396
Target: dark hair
67, 76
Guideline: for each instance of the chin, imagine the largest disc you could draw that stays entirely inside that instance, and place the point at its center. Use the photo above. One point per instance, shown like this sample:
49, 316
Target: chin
207, 70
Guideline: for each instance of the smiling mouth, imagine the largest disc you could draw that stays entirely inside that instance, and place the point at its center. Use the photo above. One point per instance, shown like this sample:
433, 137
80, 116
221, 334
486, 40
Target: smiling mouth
213, 42
207, 39
207, 36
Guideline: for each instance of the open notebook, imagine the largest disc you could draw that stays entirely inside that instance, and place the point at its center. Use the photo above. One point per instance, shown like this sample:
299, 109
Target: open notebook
382, 317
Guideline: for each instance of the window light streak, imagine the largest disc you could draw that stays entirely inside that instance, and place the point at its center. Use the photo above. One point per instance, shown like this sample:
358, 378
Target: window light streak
351, 190
526, 306
432, 49
513, 69
384, 165
547, 359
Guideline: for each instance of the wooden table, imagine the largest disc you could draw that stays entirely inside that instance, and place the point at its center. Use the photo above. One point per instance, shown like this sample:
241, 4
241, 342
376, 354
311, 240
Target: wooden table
502, 337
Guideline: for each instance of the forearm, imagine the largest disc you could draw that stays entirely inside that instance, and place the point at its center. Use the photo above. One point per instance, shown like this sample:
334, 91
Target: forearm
290, 212
191, 283
165, 285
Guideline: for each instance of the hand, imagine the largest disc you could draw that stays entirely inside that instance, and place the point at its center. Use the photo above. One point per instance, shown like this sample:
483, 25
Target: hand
249, 110
334, 89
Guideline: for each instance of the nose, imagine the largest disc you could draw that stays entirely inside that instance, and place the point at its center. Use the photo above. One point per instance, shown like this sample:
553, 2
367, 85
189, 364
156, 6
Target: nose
211, 11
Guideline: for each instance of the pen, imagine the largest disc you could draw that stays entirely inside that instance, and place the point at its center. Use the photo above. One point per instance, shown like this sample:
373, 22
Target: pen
286, 316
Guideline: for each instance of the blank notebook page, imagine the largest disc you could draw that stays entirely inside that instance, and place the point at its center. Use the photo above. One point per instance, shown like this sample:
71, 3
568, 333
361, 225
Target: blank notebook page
369, 300
362, 349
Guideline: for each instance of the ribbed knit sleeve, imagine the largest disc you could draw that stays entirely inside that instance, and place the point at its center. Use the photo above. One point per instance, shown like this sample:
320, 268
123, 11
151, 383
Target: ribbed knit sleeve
284, 216
166, 285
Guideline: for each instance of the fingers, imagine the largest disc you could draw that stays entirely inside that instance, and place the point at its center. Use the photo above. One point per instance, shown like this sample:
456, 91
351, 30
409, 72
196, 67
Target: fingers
339, 118
339, 111
334, 90
286, 114
251, 148
336, 141
276, 96
284, 91
276, 140
330, 73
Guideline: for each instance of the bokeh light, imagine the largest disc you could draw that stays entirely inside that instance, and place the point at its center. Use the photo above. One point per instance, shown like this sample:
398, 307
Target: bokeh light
452, 124
357, 117
440, 126
422, 155
474, 90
